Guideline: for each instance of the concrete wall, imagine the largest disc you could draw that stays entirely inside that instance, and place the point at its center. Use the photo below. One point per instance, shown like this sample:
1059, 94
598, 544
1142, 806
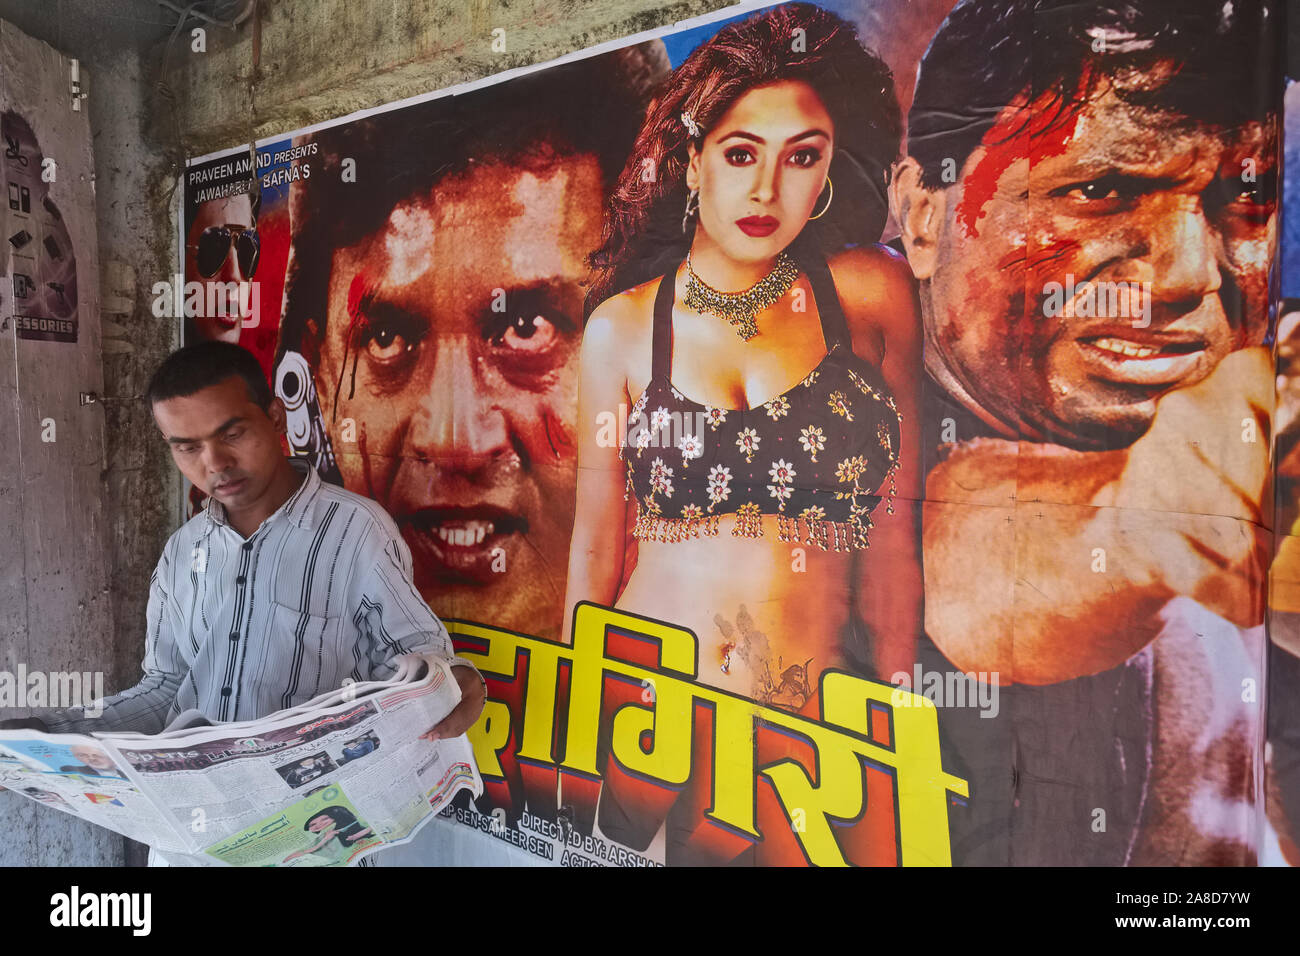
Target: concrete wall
320, 59
136, 229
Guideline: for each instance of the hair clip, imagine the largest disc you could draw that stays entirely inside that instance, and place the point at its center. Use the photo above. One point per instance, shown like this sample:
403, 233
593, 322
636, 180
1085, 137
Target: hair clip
692, 127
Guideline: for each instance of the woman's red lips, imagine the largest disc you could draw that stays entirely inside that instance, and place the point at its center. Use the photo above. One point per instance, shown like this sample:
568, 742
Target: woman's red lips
758, 226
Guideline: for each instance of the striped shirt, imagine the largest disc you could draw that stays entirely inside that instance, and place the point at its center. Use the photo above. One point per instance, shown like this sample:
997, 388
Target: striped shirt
239, 629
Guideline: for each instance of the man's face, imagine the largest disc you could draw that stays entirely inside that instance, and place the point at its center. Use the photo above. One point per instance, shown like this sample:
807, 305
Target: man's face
92, 757
1162, 212
223, 442
222, 321
464, 310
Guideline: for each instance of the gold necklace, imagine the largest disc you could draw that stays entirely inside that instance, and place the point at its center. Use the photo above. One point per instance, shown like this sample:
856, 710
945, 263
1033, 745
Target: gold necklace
741, 308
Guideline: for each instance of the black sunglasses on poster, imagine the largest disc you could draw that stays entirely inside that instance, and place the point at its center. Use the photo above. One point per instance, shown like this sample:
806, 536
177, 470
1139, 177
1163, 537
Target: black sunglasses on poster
214, 246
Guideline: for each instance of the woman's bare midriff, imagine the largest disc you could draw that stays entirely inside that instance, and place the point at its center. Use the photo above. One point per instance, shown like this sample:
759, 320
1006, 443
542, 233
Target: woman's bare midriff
769, 615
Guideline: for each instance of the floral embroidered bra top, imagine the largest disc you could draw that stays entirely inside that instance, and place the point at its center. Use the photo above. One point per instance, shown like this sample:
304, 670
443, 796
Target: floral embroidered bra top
811, 456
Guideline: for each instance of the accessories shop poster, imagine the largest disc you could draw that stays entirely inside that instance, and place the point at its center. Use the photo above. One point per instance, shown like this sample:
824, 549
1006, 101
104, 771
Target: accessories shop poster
841, 433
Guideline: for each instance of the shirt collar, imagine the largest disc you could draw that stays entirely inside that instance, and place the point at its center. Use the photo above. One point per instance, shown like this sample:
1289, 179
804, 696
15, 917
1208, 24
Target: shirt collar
298, 508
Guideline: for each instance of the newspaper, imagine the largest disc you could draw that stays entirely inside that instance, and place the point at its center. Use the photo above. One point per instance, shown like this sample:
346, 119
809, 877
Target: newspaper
322, 784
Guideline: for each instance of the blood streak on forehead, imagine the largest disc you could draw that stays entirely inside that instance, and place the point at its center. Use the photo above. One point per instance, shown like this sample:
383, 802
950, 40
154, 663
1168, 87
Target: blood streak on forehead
1047, 133
357, 290
1046, 254
360, 292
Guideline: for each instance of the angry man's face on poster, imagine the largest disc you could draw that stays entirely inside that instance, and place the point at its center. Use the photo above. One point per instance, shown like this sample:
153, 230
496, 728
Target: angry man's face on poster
452, 352
1085, 266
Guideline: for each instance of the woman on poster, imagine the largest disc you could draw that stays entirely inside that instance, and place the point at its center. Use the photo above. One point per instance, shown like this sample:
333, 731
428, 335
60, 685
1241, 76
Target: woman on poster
770, 356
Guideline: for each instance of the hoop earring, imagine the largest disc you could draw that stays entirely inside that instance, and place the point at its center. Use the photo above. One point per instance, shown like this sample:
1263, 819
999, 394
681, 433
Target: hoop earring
692, 207
829, 197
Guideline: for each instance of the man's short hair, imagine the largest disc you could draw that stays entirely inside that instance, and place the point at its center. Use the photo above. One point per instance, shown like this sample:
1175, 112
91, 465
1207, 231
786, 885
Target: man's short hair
592, 106
1223, 56
201, 366
241, 188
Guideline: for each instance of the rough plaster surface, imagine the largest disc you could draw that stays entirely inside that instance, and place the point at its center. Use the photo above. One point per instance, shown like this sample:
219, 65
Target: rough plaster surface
321, 59
62, 537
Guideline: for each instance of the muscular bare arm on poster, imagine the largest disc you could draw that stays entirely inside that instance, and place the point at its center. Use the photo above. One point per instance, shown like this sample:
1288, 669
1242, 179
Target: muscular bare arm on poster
1182, 511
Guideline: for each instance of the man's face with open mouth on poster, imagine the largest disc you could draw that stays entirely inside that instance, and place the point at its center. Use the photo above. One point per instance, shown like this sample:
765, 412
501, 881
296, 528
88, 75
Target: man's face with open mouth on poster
451, 355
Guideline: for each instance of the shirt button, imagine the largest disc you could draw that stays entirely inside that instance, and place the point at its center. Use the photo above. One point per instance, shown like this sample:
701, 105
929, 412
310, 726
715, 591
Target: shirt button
248, 546
234, 636
225, 692
241, 579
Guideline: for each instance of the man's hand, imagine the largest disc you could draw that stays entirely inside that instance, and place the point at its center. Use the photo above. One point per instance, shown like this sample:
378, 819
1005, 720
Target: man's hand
1202, 476
1207, 450
24, 723
1183, 511
472, 695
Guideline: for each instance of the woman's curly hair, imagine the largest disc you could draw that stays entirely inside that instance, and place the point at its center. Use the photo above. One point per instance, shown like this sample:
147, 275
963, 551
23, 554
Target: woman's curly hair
798, 41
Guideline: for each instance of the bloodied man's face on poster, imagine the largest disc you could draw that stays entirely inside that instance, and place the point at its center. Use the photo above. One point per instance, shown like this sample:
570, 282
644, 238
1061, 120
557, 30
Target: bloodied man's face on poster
1102, 234
1121, 256
435, 301
453, 329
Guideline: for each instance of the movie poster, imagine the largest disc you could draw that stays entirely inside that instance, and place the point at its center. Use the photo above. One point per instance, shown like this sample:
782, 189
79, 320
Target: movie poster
840, 433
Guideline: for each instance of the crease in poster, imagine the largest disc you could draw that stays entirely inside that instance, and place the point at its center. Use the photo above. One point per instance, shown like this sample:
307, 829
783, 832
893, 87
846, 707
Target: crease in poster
843, 432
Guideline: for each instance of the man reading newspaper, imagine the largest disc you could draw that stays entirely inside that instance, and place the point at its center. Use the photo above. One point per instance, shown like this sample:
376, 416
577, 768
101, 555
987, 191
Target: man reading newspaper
281, 589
